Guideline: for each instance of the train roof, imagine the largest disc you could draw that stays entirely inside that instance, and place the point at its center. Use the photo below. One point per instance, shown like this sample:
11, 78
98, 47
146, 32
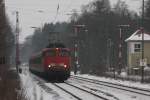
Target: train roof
56, 45
50, 47
46, 49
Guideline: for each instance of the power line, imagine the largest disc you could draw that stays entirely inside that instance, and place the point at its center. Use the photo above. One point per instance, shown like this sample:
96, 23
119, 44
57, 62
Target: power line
68, 7
56, 13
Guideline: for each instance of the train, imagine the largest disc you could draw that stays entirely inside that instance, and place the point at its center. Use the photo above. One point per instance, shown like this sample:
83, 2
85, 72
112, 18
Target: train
53, 62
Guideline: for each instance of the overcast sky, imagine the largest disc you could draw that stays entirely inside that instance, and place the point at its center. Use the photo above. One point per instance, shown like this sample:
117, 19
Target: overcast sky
29, 14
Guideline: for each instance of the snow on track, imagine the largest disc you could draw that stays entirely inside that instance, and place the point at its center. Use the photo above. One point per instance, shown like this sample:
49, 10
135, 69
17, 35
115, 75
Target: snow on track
78, 92
33, 91
117, 93
115, 81
39, 89
117, 86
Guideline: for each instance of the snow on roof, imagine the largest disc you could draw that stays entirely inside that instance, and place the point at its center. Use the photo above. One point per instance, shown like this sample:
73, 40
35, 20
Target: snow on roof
137, 36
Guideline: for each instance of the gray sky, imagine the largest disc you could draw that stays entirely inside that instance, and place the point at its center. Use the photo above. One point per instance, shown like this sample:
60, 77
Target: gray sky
29, 15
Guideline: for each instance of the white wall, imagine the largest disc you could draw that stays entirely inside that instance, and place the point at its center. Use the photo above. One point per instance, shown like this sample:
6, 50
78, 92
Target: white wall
131, 47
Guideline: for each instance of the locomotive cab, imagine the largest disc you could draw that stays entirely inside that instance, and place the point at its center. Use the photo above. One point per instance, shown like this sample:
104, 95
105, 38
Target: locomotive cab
52, 62
57, 62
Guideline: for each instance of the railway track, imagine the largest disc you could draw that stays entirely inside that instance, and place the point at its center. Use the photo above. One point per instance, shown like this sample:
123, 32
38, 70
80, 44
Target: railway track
69, 89
116, 86
83, 93
103, 98
78, 91
48, 89
78, 98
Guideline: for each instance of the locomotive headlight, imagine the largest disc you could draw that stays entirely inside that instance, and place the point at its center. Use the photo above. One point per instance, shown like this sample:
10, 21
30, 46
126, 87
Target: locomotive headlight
49, 66
65, 66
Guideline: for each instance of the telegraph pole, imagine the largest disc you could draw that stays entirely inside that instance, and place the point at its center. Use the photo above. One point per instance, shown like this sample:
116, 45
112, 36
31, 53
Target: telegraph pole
2, 15
142, 30
109, 47
3, 8
17, 42
120, 65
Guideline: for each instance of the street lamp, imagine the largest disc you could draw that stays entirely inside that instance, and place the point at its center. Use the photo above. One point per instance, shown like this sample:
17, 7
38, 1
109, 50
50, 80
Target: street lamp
33, 27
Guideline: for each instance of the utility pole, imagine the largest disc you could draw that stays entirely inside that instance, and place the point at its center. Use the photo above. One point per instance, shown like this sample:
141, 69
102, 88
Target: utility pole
3, 8
110, 56
142, 30
2, 16
76, 47
120, 64
17, 42
109, 45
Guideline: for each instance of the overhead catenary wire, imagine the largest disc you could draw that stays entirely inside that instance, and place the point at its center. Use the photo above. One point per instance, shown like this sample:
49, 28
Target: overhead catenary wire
63, 12
56, 14
40, 6
57, 11
67, 7
60, 9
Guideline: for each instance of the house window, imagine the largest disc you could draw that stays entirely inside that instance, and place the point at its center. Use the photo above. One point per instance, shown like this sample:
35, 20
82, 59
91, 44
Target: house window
137, 47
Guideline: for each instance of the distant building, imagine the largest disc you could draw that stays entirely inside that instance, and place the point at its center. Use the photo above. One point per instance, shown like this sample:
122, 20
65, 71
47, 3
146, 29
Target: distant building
134, 54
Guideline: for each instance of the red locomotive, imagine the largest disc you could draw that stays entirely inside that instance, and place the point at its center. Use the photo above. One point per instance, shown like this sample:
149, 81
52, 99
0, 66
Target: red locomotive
52, 63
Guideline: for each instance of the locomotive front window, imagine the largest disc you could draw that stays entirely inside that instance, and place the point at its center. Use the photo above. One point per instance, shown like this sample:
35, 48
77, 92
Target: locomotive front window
50, 53
64, 53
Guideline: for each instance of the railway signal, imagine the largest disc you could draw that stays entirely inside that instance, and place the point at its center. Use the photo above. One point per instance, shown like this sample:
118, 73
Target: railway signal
17, 42
120, 64
76, 55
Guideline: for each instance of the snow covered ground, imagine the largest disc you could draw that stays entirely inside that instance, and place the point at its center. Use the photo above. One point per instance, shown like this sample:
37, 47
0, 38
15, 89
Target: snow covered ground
34, 91
122, 82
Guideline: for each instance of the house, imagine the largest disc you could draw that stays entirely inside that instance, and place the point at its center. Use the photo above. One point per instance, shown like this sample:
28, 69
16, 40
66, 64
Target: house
134, 52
